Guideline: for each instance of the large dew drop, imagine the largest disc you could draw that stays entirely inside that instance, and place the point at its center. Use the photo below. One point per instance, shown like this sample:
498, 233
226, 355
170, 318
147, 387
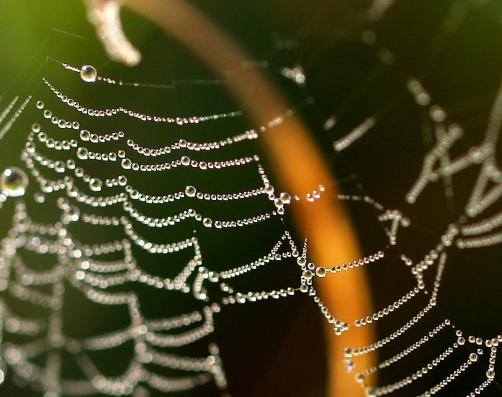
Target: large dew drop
13, 182
190, 191
88, 73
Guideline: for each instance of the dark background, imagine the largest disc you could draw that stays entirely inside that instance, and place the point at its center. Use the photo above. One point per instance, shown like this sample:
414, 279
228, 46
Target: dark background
277, 348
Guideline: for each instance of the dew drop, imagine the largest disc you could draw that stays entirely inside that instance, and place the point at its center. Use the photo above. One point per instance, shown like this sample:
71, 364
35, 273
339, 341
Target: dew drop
13, 182
73, 214
285, 198
79, 172
59, 166
39, 197
190, 191
437, 114
185, 160
82, 153
88, 73
122, 180
95, 184
85, 135
126, 163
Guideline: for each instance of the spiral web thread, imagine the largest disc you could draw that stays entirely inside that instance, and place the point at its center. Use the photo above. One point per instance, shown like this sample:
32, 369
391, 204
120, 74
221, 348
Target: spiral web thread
87, 267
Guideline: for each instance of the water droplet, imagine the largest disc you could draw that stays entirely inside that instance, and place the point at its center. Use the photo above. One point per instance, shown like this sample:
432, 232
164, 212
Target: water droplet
190, 191
73, 214
285, 198
95, 184
368, 37
39, 197
437, 114
88, 73
122, 180
185, 160
82, 153
141, 392
370, 392
59, 166
13, 182
126, 163
85, 135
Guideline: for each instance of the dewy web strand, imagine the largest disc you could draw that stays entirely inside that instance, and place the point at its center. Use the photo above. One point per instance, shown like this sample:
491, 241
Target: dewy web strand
88, 268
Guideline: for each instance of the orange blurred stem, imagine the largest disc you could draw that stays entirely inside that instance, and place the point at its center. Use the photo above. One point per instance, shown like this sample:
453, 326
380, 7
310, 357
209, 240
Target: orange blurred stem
299, 167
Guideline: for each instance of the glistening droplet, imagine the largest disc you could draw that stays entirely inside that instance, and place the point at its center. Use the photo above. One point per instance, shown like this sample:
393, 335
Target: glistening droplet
13, 182
190, 191
88, 73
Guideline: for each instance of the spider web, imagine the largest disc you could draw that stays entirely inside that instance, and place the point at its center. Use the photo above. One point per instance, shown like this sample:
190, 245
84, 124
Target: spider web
119, 214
